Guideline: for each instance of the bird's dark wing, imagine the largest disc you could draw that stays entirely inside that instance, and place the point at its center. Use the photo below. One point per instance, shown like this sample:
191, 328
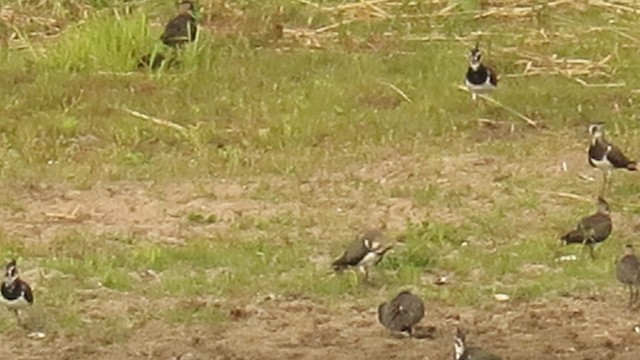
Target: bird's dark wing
493, 76
26, 290
180, 29
620, 160
353, 255
596, 228
407, 310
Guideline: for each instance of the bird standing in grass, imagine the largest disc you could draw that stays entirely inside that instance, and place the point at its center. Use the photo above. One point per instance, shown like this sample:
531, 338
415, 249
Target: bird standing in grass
364, 252
592, 230
464, 352
402, 313
628, 273
182, 28
480, 79
606, 156
16, 293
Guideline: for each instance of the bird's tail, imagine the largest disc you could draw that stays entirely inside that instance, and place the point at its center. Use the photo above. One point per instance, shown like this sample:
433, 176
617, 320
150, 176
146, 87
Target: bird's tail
339, 265
632, 166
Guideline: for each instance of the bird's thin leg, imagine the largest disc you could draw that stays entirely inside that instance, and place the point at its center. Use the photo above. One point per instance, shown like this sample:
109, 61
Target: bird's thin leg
366, 273
607, 183
601, 193
17, 314
591, 253
636, 292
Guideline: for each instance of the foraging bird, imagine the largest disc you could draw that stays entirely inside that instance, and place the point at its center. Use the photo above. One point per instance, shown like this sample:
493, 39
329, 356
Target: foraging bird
606, 156
480, 79
401, 313
364, 252
592, 230
16, 293
628, 273
182, 28
464, 352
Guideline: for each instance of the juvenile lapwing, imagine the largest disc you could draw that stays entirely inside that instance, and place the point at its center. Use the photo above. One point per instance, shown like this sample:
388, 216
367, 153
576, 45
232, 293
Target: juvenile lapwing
462, 351
480, 79
628, 273
182, 28
605, 156
16, 293
364, 252
592, 230
402, 313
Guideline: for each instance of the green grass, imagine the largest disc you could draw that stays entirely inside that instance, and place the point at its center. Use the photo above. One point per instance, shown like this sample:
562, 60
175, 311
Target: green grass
307, 132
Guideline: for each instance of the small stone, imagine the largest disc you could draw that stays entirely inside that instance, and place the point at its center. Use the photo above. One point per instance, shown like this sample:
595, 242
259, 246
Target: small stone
37, 335
441, 280
501, 297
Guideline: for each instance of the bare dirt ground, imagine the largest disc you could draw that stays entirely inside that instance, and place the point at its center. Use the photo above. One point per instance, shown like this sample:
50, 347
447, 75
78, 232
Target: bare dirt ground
299, 329
595, 327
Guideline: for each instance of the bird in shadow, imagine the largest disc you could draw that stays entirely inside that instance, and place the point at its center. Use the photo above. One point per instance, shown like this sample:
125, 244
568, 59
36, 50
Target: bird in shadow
402, 313
179, 31
628, 273
592, 230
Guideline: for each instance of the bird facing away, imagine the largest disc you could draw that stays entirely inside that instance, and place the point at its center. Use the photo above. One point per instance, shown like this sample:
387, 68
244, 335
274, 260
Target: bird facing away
402, 313
464, 352
606, 156
364, 252
181, 29
480, 79
16, 293
628, 273
592, 230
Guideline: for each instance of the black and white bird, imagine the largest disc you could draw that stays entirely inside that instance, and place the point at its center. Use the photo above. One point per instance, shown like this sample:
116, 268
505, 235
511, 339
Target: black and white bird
628, 273
480, 79
462, 351
592, 230
364, 252
605, 156
402, 313
182, 28
16, 293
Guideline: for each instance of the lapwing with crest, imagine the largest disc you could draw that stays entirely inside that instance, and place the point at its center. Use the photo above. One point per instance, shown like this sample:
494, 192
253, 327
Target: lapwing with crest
463, 351
605, 156
480, 79
366, 251
592, 230
402, 313
16, 293
628, 273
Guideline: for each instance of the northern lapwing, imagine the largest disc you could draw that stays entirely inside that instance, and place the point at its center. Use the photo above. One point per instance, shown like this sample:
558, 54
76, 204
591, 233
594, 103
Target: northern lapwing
462, 351
16, 293
182, 28
592, 230
480, 79
364, 252
628, 273
605, 156
402, 313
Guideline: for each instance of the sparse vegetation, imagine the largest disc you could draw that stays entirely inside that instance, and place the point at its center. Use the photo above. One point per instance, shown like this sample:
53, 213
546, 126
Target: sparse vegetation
281, 146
